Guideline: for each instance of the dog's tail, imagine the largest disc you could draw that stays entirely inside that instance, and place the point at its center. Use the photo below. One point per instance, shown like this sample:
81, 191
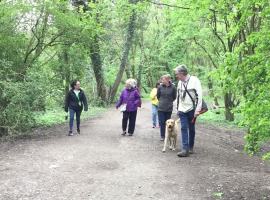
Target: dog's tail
178, 120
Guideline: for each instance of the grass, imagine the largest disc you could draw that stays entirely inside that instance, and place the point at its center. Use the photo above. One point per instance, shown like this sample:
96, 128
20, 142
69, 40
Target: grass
57, 116
212, 118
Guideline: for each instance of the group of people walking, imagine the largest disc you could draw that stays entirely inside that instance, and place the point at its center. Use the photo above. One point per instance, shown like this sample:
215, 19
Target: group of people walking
188, 94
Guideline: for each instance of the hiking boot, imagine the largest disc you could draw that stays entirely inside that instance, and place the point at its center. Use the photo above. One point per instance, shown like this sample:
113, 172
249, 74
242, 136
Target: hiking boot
78, 131
70, 133
190, 149
183, 153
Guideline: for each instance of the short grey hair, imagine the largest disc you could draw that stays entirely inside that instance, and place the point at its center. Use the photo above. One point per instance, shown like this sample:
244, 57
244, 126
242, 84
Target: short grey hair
131, 82
181, 69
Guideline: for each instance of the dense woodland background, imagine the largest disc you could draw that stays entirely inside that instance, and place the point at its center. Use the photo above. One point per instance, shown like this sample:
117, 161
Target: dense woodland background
45, 44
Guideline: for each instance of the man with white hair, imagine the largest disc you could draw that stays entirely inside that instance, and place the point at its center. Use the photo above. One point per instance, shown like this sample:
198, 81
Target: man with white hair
189, 103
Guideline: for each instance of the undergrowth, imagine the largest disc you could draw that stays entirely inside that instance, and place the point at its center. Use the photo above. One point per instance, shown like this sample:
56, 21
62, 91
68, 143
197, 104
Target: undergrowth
58, 116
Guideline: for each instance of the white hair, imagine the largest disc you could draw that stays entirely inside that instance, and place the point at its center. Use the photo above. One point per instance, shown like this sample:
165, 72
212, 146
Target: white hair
131, 82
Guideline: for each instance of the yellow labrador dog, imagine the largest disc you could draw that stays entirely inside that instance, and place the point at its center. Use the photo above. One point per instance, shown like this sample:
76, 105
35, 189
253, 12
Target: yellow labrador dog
171, 133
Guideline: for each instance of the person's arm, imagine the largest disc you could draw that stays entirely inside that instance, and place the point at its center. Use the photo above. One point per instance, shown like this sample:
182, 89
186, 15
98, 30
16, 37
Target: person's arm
137, 97
84, 102
158, 93
174, 93
153, 94
198, 88
120, 100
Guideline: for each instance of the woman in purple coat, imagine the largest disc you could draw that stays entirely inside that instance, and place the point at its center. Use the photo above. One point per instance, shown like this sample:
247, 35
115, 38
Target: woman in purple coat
132, 98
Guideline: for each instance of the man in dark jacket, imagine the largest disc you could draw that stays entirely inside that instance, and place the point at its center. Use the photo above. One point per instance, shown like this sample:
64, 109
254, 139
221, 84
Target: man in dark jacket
75, 101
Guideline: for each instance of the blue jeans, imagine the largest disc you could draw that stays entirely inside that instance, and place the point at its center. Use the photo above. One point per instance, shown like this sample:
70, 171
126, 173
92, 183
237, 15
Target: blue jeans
187, 128
71, 118
155, 114
163, 117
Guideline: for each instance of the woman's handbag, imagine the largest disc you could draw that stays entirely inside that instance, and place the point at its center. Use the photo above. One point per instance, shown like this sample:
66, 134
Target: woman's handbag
123, 107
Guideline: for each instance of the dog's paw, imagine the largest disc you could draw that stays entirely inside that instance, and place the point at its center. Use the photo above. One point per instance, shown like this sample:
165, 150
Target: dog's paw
163, 150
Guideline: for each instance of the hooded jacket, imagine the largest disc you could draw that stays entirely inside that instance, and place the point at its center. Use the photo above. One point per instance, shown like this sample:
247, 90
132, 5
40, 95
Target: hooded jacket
132, 101
72, 101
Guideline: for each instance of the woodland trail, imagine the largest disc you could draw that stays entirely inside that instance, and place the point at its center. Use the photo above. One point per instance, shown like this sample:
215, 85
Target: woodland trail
101, 164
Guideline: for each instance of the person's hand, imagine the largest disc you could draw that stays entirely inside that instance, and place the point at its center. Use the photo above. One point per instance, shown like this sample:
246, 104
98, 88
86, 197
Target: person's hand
196, 113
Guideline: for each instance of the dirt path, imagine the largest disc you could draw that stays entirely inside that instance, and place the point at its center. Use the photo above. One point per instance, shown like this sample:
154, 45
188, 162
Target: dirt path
102, 164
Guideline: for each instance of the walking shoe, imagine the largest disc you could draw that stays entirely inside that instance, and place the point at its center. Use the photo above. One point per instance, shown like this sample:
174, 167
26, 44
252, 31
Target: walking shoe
159, 126
154, 126
130, 134
190, 149
161, 139
183, 153
70, 133
124, 133
78, 131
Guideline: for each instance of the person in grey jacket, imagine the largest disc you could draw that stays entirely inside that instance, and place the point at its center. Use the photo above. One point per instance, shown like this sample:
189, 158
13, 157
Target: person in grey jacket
166, 95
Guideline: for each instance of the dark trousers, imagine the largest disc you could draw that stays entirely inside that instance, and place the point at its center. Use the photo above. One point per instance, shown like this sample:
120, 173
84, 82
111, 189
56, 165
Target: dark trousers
71, 118
187, 128
131, 117
163, 117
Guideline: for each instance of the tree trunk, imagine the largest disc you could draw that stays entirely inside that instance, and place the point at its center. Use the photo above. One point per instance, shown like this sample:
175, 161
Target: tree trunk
97, 67
228, 106
139, 81
130, 34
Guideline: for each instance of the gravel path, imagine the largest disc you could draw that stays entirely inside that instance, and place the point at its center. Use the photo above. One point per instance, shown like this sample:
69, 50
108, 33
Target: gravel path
101, 164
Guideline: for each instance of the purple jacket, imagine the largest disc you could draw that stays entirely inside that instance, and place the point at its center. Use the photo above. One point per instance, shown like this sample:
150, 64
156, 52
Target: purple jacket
133, 101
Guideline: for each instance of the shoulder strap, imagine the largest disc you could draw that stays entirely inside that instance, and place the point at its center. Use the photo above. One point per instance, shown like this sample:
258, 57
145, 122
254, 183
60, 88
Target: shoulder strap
189, 96
129, 97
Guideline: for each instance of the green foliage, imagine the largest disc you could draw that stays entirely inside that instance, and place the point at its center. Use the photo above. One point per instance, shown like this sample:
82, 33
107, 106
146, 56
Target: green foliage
57, 116
46, 45
218, 194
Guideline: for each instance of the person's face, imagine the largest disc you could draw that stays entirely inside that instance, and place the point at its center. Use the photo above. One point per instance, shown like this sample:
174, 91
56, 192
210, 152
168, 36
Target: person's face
77, 86
180, 76
165, 81
127, 86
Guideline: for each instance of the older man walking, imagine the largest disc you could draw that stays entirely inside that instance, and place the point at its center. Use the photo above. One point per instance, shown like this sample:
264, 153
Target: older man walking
189, 103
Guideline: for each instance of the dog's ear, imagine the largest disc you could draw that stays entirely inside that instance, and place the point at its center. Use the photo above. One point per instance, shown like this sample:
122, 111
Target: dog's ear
167, 121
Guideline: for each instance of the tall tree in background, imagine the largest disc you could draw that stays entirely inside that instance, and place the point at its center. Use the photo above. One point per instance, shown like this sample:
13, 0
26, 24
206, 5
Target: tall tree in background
129, 38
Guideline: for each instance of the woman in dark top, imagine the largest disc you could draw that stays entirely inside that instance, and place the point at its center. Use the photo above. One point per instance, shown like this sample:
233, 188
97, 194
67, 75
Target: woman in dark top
75, 101
166, 95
